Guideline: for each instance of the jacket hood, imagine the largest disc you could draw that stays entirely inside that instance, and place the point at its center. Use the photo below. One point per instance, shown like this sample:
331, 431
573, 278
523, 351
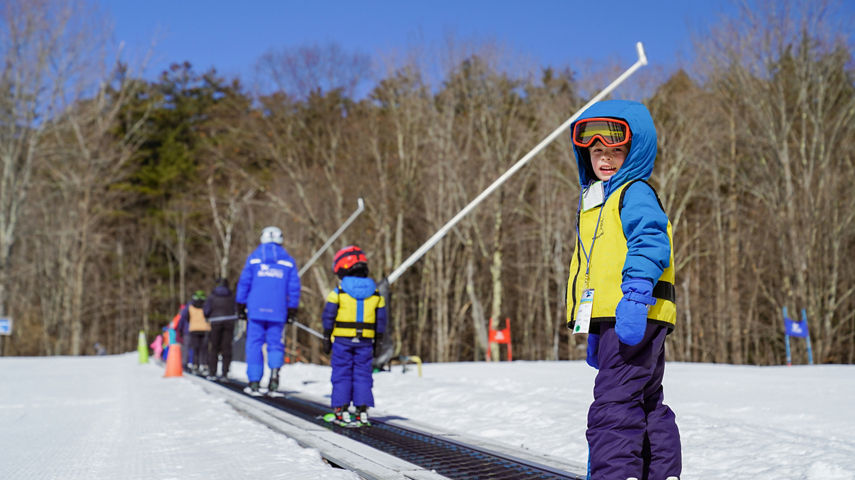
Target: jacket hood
222, 291
359, 288
271, 253
642, 151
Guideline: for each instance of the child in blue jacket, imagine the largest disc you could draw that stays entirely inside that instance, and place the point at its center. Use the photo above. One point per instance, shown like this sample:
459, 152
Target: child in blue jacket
354, 320
621, 292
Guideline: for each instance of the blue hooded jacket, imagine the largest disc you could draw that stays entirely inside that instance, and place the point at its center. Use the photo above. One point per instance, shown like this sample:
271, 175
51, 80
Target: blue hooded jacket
645, 224
269, 284
359, 288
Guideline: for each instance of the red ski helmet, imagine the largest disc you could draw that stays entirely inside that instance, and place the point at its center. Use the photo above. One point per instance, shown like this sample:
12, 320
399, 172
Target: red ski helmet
347, 258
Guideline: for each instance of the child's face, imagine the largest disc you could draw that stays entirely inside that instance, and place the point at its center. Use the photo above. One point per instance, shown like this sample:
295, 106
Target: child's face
606, 160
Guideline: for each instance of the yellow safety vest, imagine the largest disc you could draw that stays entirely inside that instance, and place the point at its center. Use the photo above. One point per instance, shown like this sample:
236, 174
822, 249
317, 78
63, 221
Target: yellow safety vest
355, 317
607, 261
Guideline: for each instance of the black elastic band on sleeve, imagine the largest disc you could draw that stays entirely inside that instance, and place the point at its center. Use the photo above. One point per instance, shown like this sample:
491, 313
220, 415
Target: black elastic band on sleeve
665, 291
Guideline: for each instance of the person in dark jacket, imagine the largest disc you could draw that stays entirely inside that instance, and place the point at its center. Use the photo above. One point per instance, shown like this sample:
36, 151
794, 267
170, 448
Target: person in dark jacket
220, 311
268, 294
354, 320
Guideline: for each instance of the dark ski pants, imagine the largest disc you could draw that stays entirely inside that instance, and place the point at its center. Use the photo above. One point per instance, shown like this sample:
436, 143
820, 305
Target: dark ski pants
199, 348
220, 342
631, 433
351, 372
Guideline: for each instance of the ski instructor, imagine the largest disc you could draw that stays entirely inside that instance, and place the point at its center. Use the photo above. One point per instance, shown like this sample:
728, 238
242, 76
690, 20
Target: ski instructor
268, 295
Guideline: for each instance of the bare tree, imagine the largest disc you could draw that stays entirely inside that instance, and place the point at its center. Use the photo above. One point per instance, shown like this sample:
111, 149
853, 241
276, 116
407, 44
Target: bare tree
316, 69
790, 109
224, 222
64, 89
87, 159
31, 36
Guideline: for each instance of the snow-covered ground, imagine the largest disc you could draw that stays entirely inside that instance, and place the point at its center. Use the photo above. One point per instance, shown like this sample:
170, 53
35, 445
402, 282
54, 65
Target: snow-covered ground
109, 417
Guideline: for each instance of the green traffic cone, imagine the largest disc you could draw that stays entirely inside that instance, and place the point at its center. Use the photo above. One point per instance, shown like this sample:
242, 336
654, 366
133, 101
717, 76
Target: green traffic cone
142, 348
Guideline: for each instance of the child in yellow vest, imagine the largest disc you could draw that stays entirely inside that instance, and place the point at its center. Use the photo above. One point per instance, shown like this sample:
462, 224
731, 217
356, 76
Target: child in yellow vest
354, 320
621, 290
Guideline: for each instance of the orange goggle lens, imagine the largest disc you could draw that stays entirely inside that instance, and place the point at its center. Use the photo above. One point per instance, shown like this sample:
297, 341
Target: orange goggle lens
611, 131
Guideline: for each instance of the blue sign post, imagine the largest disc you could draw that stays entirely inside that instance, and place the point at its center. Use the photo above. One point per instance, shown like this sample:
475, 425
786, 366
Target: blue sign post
5, 326
5, 330
799, 329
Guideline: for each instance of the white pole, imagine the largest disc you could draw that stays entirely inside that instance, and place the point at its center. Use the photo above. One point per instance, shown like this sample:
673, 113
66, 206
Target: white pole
320, 251
642, 61
308, 329
360, 207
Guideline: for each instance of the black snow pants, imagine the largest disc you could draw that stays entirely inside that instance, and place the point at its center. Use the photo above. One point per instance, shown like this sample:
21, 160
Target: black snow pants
220, 343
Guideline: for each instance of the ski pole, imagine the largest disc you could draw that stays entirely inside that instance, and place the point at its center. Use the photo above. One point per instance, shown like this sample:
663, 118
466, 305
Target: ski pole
359, 209
642, 61
308, 329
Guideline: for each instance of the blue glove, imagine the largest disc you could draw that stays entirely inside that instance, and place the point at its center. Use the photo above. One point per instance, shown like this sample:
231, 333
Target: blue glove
593, 347
631, 312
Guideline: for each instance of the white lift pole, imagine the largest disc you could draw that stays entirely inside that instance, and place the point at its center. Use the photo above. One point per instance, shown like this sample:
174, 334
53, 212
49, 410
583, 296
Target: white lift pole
642, 61
359, 209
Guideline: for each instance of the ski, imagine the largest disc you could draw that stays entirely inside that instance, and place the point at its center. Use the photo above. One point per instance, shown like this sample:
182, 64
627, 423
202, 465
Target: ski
253, 393
330, 418
249, 390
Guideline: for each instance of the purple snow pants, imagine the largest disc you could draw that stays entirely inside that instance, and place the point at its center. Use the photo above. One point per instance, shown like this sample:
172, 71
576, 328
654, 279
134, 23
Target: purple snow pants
351, 372
631, 433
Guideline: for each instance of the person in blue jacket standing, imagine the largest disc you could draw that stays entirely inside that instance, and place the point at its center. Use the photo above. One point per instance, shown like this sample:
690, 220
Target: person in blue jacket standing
268, 295
354, 320
621, 292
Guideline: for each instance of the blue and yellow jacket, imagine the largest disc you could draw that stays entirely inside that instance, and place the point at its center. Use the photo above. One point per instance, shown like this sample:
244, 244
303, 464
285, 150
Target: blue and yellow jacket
355, 309
630, 231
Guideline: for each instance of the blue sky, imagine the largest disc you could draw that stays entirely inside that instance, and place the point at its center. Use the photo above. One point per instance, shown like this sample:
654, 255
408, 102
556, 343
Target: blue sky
232, 35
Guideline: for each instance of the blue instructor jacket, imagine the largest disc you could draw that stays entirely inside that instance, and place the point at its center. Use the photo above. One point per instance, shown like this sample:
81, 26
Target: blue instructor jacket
269, 284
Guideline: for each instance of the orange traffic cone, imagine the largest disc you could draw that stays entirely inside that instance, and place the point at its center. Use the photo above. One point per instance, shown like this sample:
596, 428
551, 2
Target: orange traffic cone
173, 361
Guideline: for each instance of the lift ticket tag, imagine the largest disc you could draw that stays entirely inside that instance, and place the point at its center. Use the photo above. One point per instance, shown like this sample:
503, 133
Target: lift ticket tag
593, 196
583, 315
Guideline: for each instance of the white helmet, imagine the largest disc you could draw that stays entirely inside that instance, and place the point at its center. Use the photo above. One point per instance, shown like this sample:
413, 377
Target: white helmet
271, 235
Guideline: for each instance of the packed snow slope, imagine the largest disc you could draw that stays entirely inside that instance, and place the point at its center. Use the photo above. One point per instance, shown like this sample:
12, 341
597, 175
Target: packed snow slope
109, 417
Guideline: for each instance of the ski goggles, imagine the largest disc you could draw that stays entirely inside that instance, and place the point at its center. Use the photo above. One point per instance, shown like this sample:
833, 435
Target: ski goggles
611, 131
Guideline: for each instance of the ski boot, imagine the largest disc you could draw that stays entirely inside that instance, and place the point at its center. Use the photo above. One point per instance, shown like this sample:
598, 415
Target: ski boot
252, 389
342, 415
274, 381
362, 415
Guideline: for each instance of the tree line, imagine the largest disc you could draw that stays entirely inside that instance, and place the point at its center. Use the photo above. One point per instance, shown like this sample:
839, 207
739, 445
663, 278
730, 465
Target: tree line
121, 195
